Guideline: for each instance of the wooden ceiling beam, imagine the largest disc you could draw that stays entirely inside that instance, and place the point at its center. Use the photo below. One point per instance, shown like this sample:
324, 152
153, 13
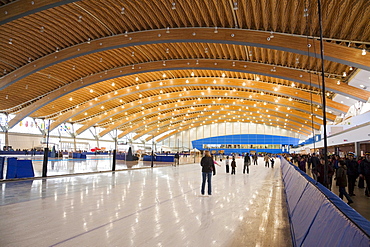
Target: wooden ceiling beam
218, 117
333, 52
189, 104
174, 86
208, 123
304, 123
293, 75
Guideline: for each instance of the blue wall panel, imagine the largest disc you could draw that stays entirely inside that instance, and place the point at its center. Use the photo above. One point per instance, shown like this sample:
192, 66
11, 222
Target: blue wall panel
246, 139
2, 161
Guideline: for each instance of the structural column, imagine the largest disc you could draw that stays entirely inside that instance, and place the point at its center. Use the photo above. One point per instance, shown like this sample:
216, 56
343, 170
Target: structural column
6, 138
357, 149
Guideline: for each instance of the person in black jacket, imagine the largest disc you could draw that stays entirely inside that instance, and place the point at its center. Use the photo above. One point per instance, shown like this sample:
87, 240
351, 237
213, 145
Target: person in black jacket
352, 173
208, 167
341, 177
247, 162
233, 165
364, 171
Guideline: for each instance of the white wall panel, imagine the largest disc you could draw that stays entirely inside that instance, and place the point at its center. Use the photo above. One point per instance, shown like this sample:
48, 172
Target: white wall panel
221, 129
260, 129
214, 129
207, 131
244, 128
229, 128
200, 132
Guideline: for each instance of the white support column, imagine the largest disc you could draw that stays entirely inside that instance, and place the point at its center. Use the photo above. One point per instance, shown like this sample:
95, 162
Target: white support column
357, 149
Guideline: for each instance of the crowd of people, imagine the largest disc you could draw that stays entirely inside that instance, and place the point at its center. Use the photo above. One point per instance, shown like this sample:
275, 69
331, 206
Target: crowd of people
344, 171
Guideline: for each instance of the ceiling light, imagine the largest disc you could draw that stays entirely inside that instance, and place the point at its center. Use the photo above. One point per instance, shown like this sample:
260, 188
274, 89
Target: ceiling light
192, 74
223, 75
338, 82
113, 84
344, 74
187, 81
91, 91
164, 75
363, 52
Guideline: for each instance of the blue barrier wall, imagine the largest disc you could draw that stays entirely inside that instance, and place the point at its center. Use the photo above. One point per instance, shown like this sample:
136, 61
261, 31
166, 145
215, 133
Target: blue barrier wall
317, 216
2, 160
19, 168
246, 139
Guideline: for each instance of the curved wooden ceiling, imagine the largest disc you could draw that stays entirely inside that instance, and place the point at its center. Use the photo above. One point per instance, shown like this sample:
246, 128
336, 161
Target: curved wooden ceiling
152, 67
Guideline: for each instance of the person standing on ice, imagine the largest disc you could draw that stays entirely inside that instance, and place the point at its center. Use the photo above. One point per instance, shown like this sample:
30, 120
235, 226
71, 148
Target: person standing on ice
208, 167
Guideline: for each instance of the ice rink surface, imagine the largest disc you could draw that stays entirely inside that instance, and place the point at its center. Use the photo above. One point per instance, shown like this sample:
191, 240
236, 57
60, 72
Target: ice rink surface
159, 206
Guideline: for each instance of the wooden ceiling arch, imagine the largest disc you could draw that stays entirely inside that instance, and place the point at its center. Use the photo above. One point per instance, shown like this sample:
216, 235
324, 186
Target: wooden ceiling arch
180, 128
297, 45
178, 85
186, 118
247, 113
53, 53
103, 76
189, 104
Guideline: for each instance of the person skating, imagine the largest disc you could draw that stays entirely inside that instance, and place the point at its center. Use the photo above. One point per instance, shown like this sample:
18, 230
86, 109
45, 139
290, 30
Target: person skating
247, 162
233, 165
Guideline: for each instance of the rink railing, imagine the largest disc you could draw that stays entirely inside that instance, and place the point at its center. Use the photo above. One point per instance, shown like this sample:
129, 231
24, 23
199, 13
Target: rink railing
318, 217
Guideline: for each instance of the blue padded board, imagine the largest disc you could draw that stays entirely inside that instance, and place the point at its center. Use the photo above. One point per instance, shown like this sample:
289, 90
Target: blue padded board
11, 169
25, 169
2, 160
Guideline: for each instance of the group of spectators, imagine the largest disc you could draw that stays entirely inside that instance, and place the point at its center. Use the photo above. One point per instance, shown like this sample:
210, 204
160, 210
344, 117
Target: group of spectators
343, 170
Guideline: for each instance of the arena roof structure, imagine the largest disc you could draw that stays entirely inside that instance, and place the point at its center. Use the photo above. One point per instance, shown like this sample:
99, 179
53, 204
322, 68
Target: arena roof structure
159, 66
